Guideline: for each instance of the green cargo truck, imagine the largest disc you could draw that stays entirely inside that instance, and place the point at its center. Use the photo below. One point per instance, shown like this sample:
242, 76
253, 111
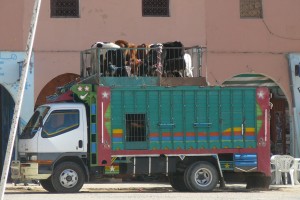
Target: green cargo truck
197, 136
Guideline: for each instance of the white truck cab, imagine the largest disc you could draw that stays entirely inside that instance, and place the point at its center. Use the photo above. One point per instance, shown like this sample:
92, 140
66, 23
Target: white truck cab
55, 133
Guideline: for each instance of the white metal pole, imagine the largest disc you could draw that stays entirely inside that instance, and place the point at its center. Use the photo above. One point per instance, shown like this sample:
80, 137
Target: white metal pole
17, 110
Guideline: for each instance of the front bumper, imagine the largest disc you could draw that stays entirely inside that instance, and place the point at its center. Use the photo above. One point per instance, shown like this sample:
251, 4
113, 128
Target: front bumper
26, 171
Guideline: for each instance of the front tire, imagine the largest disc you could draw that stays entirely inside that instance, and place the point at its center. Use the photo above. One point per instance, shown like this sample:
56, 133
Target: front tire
201, 177
68, 177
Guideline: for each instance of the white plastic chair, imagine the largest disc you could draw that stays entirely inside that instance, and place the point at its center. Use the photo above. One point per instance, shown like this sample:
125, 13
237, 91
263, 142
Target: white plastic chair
283, 164
276, 175
297, 170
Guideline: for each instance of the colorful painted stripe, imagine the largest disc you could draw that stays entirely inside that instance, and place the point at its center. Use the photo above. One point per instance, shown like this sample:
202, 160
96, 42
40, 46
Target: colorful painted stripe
202, 136
154, 137
226, 165
113, 169
117, 139
226, 138
117, 135
94, 148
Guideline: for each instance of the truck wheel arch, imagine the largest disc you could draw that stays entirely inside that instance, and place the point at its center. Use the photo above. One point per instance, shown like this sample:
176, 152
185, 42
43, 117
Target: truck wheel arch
213, 159
74, 159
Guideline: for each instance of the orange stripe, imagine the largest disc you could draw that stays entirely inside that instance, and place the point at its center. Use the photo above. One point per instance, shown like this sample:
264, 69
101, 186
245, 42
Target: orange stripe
238, 133
214, 134
166, 134
226, 133
250, 133
190, 134
154, 135
178, 134
202, 134
42, 162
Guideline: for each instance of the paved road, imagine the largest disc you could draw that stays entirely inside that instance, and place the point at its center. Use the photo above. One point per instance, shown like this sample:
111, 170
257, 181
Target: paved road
155, 191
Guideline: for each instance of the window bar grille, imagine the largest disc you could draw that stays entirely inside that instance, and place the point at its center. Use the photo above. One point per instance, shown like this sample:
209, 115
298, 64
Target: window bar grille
135, 128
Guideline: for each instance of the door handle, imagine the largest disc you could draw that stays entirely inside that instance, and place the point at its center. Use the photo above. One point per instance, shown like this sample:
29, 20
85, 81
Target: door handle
80, 144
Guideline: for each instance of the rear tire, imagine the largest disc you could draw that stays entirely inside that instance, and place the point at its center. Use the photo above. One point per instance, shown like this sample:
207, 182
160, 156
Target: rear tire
68, 177
187, 177
201, 177
177, 182
47, 185
258, 182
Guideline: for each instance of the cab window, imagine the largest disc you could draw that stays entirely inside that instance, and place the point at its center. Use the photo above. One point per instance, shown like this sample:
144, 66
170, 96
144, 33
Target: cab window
59, 122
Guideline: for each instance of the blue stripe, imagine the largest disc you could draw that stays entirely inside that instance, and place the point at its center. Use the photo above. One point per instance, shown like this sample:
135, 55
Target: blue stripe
93, 128
190, 138
214, 137
250, 137
117, 139
93, 109
94, 148
245, 160
226, 137
238, 137
245, 164
202, 138
178, 138
154, 139
166, 139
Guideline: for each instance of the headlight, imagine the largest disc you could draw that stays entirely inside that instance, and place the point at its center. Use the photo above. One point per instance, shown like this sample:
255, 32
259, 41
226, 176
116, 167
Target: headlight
33, 157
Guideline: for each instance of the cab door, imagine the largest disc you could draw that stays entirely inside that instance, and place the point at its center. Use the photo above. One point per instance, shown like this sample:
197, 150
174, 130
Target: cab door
63, 131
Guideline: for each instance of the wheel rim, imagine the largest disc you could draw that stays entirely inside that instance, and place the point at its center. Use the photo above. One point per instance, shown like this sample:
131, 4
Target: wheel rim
68, 178
203, 177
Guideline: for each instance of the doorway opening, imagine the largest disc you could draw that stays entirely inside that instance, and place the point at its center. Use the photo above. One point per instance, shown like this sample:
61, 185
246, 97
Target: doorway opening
279, 123
7, 105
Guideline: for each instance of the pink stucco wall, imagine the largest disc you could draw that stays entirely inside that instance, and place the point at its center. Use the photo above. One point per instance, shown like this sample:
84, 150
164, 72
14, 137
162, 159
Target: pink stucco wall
11, 22
59, 41
234, 45
251, 45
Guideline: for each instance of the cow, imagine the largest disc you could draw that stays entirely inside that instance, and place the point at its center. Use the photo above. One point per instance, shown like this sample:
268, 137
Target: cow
105, 45
99, 49
130, 55
152, 65
173, 59
179, 67
124, 46
133, 60
142, 51
173, 50
188, 65
122, 58
115, 63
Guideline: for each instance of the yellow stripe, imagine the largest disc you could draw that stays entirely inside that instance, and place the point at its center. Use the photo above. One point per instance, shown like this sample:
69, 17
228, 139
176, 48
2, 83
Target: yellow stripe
117, 130
113, 159
236, 129
60, 130
250, 129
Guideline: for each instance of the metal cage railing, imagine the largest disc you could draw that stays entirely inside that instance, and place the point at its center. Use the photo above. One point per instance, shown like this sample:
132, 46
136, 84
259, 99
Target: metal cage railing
144, 62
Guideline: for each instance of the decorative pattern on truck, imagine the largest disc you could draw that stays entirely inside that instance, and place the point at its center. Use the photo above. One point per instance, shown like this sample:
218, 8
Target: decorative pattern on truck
211, 118
175, 119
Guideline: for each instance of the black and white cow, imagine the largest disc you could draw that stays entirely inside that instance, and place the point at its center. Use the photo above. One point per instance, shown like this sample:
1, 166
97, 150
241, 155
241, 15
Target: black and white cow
173, 59
100, 49
115, 63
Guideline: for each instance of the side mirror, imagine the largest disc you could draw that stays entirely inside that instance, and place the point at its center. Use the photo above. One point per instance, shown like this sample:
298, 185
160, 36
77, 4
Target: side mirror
297, 70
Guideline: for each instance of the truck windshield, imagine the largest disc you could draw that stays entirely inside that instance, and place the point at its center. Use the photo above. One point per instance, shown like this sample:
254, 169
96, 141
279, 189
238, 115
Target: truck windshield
33, 124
